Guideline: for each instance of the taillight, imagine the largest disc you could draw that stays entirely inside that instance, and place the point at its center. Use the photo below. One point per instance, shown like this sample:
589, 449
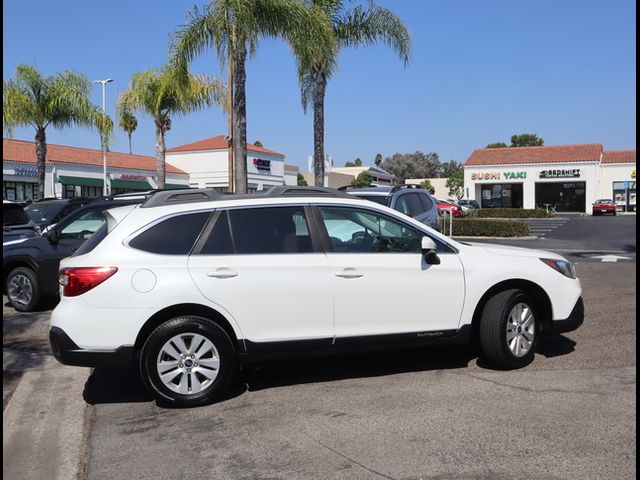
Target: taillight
76, 281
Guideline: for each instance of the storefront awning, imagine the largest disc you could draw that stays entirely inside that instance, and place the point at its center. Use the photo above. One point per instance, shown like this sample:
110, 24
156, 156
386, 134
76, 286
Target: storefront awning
174, 186
131, 184
82, 181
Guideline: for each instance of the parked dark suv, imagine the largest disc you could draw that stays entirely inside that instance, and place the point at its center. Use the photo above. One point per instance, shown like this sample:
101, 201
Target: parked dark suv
412, 200
30, 266
49, 211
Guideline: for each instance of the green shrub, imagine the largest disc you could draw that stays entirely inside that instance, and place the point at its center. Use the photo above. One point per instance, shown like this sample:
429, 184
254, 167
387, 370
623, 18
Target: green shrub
513, 213
470, 227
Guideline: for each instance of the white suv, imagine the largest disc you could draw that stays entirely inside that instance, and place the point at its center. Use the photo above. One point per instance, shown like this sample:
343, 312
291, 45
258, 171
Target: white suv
193, 282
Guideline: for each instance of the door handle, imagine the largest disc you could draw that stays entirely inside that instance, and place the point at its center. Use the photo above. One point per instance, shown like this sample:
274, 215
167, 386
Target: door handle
223, 273
349, 273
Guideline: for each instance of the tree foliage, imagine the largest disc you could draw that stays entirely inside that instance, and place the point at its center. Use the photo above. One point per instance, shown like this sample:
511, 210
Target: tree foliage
412, 165
455, 183
350, 27
362, 180
450, 168
378, 160
526, 140
302, 182
128, 122
356, 163
521, 140
427, 184
258, 143
59, 101
163, 93
234, 28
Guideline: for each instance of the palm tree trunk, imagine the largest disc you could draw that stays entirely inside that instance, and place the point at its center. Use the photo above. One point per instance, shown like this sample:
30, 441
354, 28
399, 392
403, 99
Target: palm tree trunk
41, 155
240, 120
130, 144
319, 89
160, 154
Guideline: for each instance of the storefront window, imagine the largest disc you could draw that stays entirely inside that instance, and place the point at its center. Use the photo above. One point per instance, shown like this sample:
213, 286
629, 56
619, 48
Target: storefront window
621, 194
20, 191
502, 195
561, 197
91, 191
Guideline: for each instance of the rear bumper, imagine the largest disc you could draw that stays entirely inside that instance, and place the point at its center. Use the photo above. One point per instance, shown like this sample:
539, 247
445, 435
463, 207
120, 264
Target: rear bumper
67, 352
572, 322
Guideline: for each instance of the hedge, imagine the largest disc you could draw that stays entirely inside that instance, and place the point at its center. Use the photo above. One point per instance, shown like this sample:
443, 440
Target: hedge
511, 213
470, 227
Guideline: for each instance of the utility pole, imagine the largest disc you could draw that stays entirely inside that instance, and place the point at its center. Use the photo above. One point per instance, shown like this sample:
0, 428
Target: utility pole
102, 140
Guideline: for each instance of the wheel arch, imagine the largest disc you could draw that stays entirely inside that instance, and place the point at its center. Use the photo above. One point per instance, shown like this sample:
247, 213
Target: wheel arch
535, 291
173, 311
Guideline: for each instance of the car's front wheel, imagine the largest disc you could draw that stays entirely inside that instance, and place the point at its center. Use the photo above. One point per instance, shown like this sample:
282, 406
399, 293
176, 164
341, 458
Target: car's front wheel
508, 330
22, 289
188, 361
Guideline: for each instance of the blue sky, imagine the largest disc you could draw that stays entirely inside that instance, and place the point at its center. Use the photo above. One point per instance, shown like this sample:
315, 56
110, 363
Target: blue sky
479, 72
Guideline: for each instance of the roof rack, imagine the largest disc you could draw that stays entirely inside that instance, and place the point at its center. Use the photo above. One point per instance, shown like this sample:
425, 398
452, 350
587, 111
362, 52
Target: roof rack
193, 195
400, 187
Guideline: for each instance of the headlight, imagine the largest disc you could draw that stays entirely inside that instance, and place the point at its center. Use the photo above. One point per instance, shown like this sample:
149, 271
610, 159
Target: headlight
563, 266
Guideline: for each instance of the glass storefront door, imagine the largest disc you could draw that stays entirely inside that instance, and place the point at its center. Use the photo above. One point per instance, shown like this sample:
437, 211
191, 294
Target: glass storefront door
561, 196
624, 195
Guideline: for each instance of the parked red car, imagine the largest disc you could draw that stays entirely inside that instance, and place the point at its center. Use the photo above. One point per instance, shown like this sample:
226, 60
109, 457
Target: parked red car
442, 205
604, 205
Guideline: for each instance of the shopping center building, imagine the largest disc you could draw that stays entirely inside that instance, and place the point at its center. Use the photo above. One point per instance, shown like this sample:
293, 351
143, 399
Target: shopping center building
207, 162
565, 178
75, 172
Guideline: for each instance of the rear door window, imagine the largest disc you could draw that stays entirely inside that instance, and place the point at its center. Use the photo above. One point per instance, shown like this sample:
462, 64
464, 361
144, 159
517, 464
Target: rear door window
172, 236
410, 204
427, 203
270, 230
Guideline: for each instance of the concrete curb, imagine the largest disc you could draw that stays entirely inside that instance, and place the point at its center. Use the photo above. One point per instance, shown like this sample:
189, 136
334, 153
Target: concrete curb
44, 425
533, 237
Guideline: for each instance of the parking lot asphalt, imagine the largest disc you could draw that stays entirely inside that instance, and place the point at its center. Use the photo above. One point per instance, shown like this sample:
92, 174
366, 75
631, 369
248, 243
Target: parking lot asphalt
429, 414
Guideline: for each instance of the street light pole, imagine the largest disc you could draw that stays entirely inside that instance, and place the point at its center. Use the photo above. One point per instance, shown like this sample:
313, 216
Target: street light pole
104, 146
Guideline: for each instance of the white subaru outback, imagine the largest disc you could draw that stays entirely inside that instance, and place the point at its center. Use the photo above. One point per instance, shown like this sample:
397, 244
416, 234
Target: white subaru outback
191, 283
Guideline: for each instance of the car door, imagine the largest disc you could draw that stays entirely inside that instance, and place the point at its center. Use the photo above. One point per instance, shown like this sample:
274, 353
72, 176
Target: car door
382, 284
264, 267
71, 235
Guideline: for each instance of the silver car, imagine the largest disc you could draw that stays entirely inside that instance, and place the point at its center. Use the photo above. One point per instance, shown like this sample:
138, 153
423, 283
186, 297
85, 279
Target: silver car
412, 200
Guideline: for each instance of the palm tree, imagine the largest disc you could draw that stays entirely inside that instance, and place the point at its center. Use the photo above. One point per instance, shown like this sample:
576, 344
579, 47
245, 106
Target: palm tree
128, 122
234, 28
162, 93
59, 100
355, 27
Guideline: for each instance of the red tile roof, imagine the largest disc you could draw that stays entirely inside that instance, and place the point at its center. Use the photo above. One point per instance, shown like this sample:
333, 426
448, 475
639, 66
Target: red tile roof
522, 155
25, 152
619, 156
218, 143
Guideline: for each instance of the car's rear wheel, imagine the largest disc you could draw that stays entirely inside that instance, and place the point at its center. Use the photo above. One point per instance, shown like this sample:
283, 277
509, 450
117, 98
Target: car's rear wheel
188, 361
508, 330
22, 289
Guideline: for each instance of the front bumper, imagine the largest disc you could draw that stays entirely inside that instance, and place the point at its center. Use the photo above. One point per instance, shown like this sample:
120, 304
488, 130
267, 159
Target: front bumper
572, 322
67, 352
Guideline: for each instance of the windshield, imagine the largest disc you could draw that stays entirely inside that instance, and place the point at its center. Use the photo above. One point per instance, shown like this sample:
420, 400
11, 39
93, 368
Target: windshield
604, 200
41, 213
379, 199
13, 214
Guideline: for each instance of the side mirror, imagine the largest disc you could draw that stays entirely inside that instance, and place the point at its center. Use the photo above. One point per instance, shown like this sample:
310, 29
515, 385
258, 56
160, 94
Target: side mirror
428, 247
53, 235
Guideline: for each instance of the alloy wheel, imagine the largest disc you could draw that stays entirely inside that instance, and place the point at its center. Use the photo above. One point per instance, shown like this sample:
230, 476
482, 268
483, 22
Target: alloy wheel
521, 329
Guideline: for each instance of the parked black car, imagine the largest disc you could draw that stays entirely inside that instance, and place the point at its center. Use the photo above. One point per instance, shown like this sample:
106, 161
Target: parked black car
30, 267
469, 203
49, 211
16, 224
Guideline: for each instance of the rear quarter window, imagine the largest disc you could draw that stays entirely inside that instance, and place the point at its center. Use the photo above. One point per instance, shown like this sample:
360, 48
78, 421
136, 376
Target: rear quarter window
172, 236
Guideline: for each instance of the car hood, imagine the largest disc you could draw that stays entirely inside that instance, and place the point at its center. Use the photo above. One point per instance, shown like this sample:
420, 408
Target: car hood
12, 235
509, 251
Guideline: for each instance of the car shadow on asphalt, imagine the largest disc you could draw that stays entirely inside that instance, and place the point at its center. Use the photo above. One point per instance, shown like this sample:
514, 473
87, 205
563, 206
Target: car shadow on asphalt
125, 386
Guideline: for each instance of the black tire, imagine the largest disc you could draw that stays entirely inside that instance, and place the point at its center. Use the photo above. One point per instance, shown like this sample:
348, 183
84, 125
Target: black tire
21, 273
615, 213
188, 325
493, 330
